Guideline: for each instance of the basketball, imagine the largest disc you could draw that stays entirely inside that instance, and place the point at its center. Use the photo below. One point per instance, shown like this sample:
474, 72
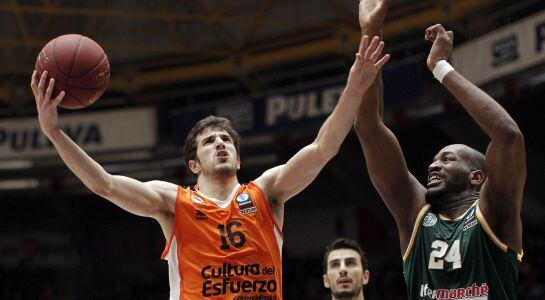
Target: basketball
79, 66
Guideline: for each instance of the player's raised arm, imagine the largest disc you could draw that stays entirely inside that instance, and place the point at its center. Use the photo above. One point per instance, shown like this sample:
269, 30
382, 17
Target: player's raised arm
283, 182
501, 194
401, 192
151, 199
371, 17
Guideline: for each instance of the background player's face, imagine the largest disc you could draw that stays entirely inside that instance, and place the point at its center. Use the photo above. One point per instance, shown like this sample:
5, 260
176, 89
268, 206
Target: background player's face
449, 173
216, 154
345, 275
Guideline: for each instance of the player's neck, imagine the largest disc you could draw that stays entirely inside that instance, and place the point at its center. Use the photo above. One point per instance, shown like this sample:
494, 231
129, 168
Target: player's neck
218, 188
357, 297
454, 206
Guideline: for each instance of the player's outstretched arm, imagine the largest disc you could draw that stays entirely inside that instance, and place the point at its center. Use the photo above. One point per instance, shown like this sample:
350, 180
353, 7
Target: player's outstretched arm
152, 199
371, 17
283, 182
501, 195
401, 192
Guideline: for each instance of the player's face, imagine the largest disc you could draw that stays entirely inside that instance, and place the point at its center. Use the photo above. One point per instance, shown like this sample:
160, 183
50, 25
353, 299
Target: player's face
216, 153
449, 173
345, 275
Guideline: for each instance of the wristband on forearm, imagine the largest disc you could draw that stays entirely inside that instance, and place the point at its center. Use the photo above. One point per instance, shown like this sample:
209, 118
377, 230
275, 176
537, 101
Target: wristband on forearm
442, 68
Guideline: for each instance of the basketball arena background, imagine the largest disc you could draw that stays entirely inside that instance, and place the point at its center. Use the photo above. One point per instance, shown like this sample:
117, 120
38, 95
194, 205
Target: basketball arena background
275, 68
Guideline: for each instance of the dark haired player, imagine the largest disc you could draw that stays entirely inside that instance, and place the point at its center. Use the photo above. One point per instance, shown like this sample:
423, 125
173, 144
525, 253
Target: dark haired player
224, 238
345, 270
461, 232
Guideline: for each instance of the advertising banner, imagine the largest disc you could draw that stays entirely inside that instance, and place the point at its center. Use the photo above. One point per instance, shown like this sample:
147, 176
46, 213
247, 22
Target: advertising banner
94, 132
503, 51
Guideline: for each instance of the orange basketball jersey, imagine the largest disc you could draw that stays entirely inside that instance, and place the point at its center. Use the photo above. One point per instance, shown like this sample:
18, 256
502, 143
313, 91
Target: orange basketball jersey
227, 250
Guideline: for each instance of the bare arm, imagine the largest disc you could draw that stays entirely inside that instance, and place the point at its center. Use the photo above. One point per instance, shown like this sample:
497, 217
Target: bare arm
371, 18
283, 182
501, 195
151, 199
401, 192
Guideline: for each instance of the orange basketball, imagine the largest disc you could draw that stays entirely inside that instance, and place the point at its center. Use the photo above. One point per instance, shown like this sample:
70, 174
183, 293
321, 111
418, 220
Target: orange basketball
79, 66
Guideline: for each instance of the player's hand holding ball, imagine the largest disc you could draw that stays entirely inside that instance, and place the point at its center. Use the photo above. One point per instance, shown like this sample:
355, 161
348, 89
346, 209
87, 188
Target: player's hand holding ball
72, 71
45, 104
79, 66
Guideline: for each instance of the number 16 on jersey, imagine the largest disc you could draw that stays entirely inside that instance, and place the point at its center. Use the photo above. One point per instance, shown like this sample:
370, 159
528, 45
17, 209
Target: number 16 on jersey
236, 238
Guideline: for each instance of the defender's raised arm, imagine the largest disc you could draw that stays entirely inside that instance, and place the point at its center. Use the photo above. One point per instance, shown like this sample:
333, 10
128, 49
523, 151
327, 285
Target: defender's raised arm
401, 192
501, 194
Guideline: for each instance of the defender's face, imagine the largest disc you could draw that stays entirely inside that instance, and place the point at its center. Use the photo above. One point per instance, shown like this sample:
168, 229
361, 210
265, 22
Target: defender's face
449, 172
216, 153
345, 275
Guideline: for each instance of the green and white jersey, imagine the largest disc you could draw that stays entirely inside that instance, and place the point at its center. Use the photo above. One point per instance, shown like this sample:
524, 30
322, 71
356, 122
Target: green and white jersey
458, 259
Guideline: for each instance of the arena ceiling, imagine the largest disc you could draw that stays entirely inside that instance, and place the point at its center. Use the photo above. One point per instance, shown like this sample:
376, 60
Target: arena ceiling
160, 42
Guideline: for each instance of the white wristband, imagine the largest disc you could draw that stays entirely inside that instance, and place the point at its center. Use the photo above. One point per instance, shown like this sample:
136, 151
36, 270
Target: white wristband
442, 68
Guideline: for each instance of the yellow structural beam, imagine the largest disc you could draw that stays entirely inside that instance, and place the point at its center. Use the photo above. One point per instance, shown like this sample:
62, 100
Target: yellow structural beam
97, 12
139, 81
422, 20
254, 62
343, 40
336, 44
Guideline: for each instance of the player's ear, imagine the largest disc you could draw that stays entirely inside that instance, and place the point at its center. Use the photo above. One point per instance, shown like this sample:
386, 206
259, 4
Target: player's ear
477, 178
194, 166
238, 162
327, 284
365, 276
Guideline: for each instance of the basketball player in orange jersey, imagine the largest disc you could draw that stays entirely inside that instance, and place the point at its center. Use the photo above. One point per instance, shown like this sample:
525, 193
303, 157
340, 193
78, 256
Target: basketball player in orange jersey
346, 271
224, 238
461, 231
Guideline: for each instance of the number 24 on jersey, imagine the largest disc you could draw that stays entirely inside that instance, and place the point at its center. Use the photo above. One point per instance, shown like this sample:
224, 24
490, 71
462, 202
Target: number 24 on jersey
442, 252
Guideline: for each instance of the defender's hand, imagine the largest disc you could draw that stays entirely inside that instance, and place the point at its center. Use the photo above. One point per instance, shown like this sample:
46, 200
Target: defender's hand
47, 107
442, 44
371, 16
366, 67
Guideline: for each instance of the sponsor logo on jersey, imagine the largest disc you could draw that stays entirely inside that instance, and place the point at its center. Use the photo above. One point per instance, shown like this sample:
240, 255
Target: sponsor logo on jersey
470, 220
245, 204
468, 225
430, 220
470, 214
273, 297
250, 279
474, 291
199, 215
244, 200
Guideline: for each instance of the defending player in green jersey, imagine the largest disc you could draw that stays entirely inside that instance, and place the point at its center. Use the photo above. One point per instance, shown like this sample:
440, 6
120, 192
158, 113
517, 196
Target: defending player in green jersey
461, 231
458, 259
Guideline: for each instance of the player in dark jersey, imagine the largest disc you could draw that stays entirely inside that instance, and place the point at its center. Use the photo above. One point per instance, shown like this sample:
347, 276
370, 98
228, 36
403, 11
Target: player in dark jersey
345, 270
461, 232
